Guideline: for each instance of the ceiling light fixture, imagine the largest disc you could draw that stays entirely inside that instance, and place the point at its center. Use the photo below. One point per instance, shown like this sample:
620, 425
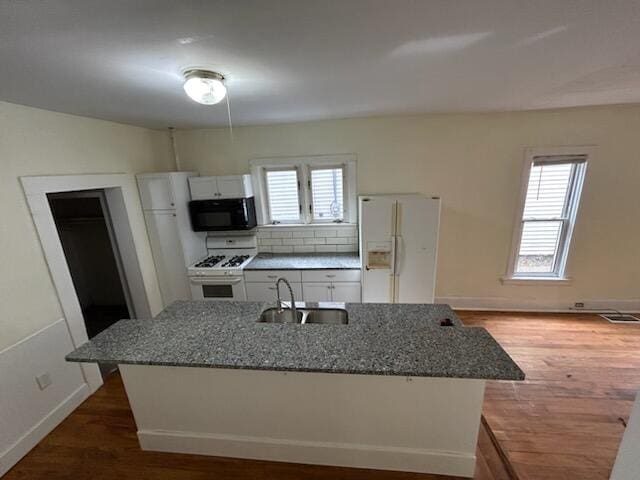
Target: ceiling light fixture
204, 86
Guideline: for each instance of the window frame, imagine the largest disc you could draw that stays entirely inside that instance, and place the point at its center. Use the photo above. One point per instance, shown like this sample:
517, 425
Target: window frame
304, 165
574, 192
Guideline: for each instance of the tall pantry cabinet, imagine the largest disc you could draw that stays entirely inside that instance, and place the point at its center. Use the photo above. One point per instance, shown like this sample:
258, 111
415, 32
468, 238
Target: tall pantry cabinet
164, 198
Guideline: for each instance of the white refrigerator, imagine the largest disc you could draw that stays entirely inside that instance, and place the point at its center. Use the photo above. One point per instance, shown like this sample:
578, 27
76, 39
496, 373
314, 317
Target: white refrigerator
399, 247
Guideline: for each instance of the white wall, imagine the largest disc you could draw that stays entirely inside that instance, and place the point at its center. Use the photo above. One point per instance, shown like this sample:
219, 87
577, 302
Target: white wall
38, 142
33, 334
474, 162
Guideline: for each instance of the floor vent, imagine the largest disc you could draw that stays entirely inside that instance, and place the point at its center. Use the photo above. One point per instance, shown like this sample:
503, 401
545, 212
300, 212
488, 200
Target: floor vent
620, 318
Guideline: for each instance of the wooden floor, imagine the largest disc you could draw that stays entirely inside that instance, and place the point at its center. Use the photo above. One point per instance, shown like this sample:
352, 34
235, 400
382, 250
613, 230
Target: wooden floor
567, 419
564, 422
98, 442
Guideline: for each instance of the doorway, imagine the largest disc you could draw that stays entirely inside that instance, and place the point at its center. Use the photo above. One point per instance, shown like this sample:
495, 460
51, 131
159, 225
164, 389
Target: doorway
92, 254
121, 194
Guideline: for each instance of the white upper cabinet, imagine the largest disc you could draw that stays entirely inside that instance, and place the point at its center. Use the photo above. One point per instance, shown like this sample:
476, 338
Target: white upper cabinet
156, 192
214, 188
235, 186
203, 188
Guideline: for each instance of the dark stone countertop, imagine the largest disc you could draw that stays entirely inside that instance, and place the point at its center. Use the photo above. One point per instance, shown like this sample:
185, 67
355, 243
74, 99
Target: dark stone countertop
305, 261
380, 339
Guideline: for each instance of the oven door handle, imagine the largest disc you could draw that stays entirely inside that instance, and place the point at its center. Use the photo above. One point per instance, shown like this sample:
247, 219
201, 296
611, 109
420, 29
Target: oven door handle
215, 281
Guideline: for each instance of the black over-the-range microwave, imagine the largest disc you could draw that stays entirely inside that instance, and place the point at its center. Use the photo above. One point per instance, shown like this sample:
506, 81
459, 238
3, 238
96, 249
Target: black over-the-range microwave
220, 215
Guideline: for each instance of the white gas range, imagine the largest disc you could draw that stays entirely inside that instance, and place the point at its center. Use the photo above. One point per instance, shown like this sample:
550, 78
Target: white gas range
219, 275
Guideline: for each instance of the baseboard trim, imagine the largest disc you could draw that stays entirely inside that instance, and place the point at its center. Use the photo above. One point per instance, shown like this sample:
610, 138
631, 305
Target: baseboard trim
35, 434
310, 452
503, 304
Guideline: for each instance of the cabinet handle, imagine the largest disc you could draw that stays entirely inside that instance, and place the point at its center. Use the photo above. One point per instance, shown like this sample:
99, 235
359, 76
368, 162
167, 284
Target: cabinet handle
330, 276
272, 276
271, 288
172, 204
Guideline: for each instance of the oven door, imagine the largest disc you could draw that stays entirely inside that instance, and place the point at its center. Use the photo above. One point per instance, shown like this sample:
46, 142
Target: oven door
218, 288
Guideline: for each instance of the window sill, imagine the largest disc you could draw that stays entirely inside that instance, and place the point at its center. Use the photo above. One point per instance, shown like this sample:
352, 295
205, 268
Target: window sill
536, 281
308, 225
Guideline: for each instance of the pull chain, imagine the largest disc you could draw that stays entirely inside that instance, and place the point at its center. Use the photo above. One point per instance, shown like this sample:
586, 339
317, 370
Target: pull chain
229, 117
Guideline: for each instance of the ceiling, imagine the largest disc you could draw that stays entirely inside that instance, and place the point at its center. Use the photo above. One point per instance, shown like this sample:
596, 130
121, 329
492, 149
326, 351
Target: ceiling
295, 60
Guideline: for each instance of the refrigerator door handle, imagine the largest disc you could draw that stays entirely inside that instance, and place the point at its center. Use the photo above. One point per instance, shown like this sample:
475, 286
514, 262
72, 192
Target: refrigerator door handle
398, 255
392, 272
393, 255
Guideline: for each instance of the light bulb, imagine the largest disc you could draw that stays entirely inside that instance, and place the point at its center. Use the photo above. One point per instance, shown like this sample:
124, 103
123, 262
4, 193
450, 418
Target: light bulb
204, 87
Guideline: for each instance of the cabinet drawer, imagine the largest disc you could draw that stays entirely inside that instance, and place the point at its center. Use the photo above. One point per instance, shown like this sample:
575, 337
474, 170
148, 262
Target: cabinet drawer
331, 275
266, 292
271, 276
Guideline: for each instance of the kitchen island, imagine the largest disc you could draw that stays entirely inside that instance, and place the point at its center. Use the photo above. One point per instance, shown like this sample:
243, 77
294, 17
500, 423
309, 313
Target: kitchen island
392, 389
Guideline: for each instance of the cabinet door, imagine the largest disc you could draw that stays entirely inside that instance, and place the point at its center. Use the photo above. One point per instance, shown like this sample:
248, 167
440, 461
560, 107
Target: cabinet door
203, 188
266, 292
167, 256
155, 192
231, 186
316, 292
347, 292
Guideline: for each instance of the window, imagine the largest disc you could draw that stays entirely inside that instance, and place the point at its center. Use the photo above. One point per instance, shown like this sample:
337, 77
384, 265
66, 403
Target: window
327, 202
307, 190
283, 196
543, 233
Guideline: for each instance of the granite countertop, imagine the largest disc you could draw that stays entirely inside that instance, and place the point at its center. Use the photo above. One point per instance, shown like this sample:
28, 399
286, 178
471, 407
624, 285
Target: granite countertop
380, 339
305, 261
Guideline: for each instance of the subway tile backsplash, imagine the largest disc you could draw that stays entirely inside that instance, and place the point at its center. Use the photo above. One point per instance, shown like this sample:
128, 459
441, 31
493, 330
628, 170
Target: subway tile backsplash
307, 239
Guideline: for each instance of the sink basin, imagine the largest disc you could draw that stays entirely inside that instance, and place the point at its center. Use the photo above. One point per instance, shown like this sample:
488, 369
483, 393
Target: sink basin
322, 316
333, 316
274, 315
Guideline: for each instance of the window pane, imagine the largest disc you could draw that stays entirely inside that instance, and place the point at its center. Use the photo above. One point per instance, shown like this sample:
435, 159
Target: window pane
282, 190
538, 247
547, 190
326, 190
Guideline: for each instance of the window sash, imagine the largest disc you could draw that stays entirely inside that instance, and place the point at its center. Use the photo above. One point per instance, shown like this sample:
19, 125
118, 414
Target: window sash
558, 250
312, 212
269, 199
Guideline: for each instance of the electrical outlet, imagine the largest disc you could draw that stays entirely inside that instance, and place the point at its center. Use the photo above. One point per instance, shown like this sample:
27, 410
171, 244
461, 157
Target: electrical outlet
579, 305
43, 380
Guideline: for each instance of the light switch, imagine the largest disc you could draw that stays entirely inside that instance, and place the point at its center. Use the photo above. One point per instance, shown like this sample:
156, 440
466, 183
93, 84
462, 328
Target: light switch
43, 380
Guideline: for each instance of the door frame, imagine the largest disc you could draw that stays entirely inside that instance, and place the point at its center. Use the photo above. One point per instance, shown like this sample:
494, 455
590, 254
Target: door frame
123, 204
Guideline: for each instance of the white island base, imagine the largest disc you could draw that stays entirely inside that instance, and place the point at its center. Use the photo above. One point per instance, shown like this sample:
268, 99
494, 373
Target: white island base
415, 424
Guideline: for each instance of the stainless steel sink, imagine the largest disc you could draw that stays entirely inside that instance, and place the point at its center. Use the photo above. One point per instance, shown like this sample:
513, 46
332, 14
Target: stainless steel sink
322, 316
275, 315
333, 316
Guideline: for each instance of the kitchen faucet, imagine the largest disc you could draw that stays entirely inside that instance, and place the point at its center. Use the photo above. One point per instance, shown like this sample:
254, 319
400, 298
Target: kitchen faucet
293, 302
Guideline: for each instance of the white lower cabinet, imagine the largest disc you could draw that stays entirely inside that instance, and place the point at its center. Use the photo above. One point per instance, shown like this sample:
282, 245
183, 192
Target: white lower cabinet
307, 285
164, 237
316, 292
266, 292
347, 292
